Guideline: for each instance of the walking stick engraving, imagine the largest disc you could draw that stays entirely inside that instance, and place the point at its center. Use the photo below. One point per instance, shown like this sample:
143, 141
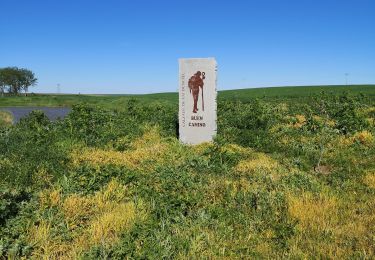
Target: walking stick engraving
203, 77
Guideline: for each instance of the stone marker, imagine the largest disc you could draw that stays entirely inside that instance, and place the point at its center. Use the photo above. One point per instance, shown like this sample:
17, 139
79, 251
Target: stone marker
197, 100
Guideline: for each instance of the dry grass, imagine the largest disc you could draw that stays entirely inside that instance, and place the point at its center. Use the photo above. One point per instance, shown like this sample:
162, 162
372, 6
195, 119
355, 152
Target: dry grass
301, 121
144, 153
365, 138
330, 228
50, 198
6, 118
92, 220
261, 163
236, 149
113, 220
369, 179
47, 246
315, 213
316, 216
295, 122
201, 148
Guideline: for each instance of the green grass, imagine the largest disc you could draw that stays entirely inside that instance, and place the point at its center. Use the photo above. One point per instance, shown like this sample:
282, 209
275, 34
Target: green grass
295, 92
68, 100
117, 101
289, 176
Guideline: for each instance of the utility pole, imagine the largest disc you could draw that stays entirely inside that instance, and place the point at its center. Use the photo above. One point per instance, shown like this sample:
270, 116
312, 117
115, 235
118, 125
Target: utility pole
58, 88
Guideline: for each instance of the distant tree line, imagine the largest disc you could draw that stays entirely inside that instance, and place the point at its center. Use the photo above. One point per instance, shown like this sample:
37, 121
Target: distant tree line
14, 80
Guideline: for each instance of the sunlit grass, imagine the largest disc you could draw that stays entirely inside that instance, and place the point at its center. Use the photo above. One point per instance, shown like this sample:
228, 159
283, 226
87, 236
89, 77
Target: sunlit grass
329, 227
364, 137
6, 118
93, 220
369, 179
261, 163
144, 152
314, 212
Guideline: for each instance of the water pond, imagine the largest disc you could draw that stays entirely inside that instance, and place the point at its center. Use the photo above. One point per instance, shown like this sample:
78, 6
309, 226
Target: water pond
53, 113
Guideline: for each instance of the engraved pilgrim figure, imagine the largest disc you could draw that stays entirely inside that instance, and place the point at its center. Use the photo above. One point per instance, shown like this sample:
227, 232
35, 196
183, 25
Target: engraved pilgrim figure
196, 82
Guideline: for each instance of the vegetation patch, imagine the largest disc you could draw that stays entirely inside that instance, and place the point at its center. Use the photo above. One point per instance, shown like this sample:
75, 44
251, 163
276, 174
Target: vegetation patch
261, 162
6, 118
369, 179
88, 221
287, 176
144, 153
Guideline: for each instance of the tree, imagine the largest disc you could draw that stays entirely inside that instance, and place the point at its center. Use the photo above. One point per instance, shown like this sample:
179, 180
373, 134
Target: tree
2, 84
5, 79
27, 79
16, 80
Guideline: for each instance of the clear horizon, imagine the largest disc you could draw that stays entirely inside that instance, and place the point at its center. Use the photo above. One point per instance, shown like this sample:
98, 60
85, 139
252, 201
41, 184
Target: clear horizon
117, 47
176, 91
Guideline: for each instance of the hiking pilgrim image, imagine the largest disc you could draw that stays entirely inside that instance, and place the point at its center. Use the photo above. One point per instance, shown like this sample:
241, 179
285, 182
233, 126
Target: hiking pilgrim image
197, 100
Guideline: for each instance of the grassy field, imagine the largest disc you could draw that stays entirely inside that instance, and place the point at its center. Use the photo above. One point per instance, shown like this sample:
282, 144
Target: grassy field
290, 175
302, 92
277, 94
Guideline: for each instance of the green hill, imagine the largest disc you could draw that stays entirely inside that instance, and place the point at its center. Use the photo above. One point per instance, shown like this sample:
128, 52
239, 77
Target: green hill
117, 101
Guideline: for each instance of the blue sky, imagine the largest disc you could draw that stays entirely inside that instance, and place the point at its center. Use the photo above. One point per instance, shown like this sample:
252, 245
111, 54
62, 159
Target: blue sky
124, 46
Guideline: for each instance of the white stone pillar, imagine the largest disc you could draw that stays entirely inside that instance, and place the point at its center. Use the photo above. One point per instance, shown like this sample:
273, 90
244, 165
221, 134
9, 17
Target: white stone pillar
197, 100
